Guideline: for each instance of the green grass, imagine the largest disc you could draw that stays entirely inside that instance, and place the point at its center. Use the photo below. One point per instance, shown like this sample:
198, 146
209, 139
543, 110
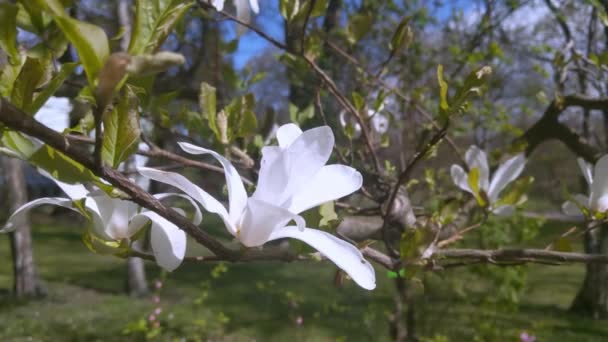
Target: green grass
262, 301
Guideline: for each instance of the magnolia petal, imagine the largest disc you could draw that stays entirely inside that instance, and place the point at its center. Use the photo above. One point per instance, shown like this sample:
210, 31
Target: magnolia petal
286, 134
114, 215
343, 254
198, 215
294, 166
379, 123
571, 209
237, 195
461, 178
599, 187
586, 170
74, 191
24, 209
255, 7
476, 158
504, 210
505, 174
260, 219
201, 196
167, 240
330, 183
218, 4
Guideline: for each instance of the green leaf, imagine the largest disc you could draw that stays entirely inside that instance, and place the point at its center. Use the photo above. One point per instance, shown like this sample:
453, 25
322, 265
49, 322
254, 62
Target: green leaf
33, 74
100, 246
241, 118
61, 166
121, 130
51, 88
328, 214
154, 20
358, 27
289, 8
443, 90
517, 192
358, 101
402, 37
8, 31
411, 240
30, 17
317, 11
18, 143
90, 40
207, 101
8, 75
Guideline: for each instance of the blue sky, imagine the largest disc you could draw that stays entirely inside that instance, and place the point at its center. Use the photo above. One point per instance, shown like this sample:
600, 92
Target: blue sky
271, 22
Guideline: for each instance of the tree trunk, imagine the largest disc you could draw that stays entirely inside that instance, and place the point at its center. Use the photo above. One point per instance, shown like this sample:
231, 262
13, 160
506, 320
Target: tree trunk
137, 285
592, 298
26, 282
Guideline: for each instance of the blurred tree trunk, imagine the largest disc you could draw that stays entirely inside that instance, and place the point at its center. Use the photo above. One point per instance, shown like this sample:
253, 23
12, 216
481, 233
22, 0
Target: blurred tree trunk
26, 283
137, 284
592, 298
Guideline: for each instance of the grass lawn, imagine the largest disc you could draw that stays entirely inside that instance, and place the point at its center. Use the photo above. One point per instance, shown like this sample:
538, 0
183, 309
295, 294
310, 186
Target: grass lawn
264, 301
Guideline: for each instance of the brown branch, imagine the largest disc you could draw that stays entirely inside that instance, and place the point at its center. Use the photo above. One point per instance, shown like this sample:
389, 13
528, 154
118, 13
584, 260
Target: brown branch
499, 256
548, 126
17, 120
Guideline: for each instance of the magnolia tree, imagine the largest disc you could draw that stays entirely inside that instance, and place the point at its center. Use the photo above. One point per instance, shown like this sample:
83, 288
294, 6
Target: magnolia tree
313, 176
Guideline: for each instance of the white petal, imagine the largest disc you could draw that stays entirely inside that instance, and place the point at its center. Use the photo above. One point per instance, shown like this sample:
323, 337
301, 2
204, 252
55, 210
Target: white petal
114, 215
380, 123
218, 4
599, 188
586, 170
74, 191
505, 174
340, 252
198, 215
572, 209
330, 183
24, 209
476, 158
201, 196
461, 178
504, 210
261, 219
168, 242
255, 7
290, 170
237, 196
286, 134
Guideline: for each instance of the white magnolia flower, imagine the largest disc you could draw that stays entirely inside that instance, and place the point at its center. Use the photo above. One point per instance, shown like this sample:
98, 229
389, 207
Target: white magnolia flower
485, 191
293, 178
242, 7
379, 122
118, 220
597, 201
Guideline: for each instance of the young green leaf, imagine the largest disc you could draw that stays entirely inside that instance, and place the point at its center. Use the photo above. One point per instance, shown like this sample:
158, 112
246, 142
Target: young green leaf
8, 31
154, 20
122, 131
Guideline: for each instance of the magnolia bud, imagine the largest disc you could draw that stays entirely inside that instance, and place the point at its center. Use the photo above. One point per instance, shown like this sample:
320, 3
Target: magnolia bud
110, 75
154, 64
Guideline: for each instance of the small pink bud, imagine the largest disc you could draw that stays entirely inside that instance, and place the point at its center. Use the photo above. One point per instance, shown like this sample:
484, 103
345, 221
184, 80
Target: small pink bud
156, 299
156, 324
299, 320
157, 311
158, 284
152, 318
